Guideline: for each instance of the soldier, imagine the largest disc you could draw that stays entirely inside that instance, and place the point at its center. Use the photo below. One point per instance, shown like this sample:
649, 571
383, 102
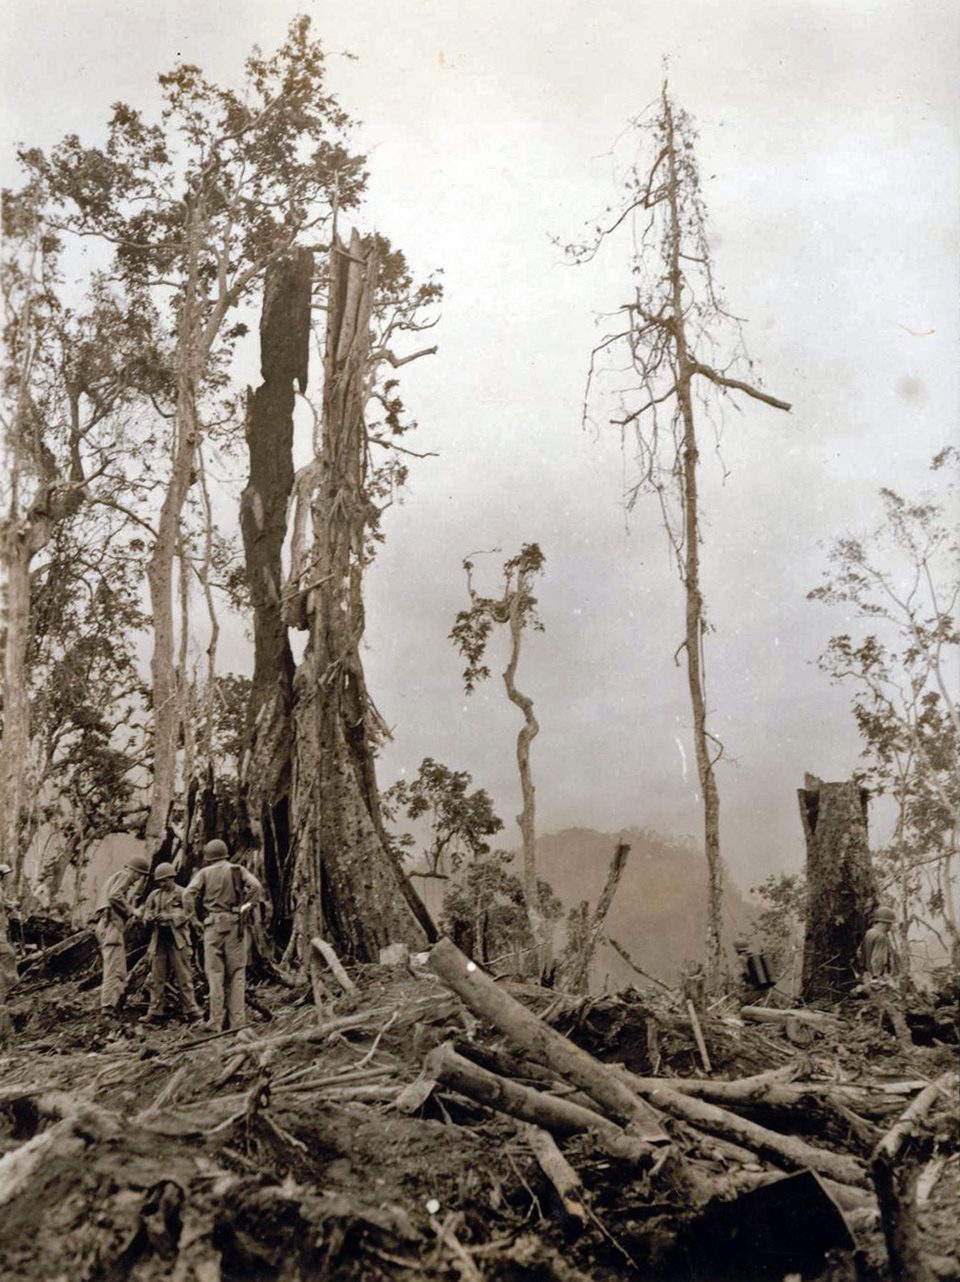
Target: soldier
8, 959
113, 914
226, 893
755, 977
878, 952
169, 948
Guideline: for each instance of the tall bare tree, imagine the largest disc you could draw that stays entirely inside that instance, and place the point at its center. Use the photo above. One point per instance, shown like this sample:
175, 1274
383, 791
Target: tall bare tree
675, 318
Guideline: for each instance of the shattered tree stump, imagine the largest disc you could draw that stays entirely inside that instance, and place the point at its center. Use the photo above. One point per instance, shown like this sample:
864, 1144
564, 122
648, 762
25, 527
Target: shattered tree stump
841, 892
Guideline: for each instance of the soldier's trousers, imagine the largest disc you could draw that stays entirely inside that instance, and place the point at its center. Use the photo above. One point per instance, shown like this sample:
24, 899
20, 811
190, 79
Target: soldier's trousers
114, 955
170, 961
225, 966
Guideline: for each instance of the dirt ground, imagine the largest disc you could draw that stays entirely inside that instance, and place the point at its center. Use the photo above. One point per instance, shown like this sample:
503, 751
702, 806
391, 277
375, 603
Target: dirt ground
310, 1145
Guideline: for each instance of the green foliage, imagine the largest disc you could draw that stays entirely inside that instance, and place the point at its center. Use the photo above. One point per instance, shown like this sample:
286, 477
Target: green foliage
261, 164
780, 922
516, 606
460, 821
903, 581
484, 910
88, 701
231, 701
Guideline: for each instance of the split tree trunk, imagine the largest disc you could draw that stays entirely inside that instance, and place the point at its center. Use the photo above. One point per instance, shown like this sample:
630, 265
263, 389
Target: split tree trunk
841, 891
348, 884
267, 771
575, 978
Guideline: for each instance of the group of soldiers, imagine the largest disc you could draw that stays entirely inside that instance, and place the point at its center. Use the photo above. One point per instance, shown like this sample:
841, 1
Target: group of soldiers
879, 959
220, 899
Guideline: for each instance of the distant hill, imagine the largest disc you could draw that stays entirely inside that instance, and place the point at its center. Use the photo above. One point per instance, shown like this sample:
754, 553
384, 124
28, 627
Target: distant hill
659, 913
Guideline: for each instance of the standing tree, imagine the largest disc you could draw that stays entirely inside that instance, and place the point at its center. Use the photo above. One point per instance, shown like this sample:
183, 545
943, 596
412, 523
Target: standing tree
676, 314
460, 821
903, 581
347, 881
197, 208
70, 379
516, 607
88, 699
284, 364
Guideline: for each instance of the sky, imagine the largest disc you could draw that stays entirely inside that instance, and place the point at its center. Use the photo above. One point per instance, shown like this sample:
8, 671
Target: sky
829, 157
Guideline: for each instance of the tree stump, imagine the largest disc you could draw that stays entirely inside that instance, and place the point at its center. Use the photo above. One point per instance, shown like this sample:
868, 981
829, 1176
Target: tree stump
841, 892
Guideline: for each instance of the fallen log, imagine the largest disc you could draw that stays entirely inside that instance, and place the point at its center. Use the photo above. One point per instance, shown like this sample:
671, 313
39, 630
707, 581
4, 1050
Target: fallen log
619, 948
72, 954
529, 1105
794, 1154
770, 1093
895, 1176
770, 1015
329, 955
558, 1171
544, 1044
698, 1037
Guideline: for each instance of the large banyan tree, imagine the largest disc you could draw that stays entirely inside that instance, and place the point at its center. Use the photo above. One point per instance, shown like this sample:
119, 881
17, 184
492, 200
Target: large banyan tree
310, 776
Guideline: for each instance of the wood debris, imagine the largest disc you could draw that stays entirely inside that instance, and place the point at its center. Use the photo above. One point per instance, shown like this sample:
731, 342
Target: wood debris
438, 1124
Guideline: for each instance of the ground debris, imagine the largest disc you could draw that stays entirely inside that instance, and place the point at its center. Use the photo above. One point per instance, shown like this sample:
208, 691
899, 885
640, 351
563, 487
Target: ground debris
336, 1144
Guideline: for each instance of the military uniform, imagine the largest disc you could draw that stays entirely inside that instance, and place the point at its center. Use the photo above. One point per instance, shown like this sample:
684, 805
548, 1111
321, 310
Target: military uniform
224, 890
879, 954
169, 948
113, 913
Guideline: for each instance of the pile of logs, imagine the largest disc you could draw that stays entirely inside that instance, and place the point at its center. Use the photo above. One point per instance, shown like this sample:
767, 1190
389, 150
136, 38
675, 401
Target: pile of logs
697, 1135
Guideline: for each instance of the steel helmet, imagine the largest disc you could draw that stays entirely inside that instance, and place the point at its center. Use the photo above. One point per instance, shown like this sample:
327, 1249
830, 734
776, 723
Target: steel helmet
4, 869
139, 863
884, 914
214, 850
741, 945
164, 872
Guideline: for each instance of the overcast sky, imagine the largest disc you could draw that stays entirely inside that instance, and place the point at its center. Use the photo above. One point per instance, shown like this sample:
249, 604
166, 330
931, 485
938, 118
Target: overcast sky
828, 149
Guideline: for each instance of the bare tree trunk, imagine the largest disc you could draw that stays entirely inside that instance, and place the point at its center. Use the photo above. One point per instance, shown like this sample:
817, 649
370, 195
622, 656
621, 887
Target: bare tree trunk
841, 892
20, 541
527, 817
186, 435
267, 769
695, 625
348, 884
16, 702
163, 668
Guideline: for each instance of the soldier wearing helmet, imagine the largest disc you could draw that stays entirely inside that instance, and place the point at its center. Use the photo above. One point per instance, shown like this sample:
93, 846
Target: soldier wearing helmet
169, 948
113, 914
878, 951
226, 894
